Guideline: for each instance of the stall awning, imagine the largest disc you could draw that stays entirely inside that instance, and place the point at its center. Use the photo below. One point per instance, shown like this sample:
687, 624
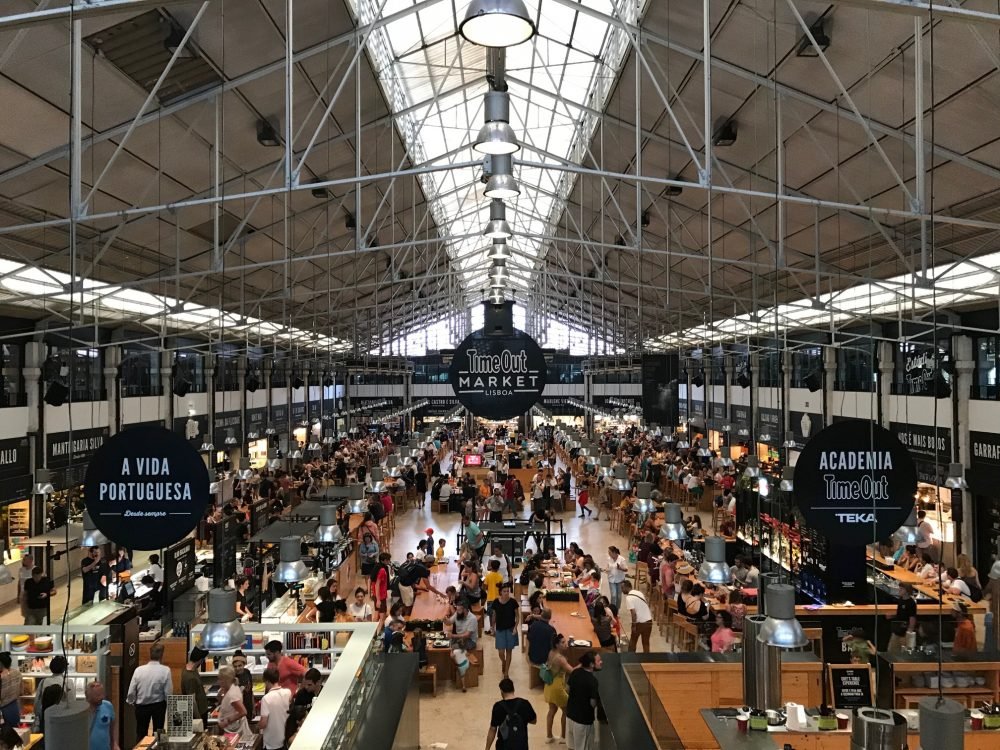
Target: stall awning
56, 537
310, 508
273, 533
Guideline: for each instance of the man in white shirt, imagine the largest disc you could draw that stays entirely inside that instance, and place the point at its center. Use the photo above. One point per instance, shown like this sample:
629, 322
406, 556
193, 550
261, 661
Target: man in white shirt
498, 555
273, 711
642, 617
147, 692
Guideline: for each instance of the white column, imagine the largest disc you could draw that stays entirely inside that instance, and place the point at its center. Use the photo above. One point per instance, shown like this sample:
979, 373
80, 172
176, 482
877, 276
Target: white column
965, 364
829, 382
112, 359
886, 366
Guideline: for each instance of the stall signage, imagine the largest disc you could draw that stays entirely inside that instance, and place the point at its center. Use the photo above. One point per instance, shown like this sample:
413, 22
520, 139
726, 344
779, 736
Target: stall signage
179, 568
985, 448
805, 425
770, 421
855, 478
256, 419
298, 412
498, 377
851, 685
716, 412
146, 488
192, 428
14, 458
279, 418
919, 369
224, 542
147, 423
440, 406
315, 409
63, 449
739, 415
698, 409
227, 424
923, 439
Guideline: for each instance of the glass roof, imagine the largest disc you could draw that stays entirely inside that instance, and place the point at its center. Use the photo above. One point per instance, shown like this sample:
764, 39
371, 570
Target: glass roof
423, 63
952, 283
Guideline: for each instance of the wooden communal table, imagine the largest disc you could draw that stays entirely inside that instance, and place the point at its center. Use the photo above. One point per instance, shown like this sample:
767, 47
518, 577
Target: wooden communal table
570, 618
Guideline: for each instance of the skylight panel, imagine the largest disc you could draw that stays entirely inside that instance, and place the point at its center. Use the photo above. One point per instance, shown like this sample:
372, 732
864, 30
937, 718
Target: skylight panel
590, 34
556, 22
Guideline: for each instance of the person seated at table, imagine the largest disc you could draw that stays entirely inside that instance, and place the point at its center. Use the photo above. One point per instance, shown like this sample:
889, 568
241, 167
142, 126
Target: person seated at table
744, 572
603, 626
418, 645
693, 526
737, 609
536, 582
929, 569
965, 630
696, 608
723, 637
906, 557
470, 589
584, 569
648, 548
536, 604
667, 570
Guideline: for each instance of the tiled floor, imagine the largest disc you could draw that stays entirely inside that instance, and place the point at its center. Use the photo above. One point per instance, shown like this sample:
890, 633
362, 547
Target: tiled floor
461, 720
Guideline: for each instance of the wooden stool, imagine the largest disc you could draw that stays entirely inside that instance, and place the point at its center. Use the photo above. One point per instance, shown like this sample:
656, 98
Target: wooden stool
429, 675
688, 630
641, 573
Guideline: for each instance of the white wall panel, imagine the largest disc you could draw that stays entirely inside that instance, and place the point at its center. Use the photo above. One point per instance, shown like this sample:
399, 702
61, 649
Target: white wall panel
141, 409
86, 414
984, 416
14, 423
855, 405
227, 401
802, 399
920, 410
257, 399
279, 396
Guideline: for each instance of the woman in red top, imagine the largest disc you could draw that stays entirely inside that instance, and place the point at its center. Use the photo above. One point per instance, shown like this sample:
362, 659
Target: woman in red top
387, 504
965, 631
380, 585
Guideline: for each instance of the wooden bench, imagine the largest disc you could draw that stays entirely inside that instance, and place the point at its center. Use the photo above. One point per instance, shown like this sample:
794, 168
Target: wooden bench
429, 675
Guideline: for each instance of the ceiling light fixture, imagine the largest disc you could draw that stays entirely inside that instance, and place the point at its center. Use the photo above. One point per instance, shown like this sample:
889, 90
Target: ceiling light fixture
497, 227
501, 183
92, 536
266, 134
818, 31
223, 631
496, 136
673, 523
725, 135
499, 251
175, 36
497, 23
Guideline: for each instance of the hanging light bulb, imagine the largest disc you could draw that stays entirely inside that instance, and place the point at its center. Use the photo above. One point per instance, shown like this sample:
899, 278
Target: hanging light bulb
781, 629
497, 23
908, 533
497, 227
621, 483
328, 530
223, 631
290, 568
92, 536
673, 523
501, 183
496, 136
269, 430
714, 569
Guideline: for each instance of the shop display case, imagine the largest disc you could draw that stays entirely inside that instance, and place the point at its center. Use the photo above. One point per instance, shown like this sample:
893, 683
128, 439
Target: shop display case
319, 645
32, 648
286, 609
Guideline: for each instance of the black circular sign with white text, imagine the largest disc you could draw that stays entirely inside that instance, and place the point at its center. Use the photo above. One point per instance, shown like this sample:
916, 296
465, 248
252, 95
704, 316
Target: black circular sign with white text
498, 377
853, 475
146, 488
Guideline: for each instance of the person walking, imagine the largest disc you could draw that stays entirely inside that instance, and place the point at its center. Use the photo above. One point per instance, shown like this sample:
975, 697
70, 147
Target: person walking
103, 728
584, 701
191, 683
35, 593
289, 670
642, 617
553, 674
10, 691
506, 613
616, 570
509, 720
147, 692
273, 711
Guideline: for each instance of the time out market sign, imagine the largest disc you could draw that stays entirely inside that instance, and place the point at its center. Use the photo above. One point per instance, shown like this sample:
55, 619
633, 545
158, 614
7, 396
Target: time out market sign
854, 482
498, 377
146, 488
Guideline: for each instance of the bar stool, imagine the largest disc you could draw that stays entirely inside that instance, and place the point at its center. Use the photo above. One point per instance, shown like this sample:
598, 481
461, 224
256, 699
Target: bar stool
687, 631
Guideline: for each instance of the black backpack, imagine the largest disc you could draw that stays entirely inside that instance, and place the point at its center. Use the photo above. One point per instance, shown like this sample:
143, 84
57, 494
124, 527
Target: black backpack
975, 590
513, 730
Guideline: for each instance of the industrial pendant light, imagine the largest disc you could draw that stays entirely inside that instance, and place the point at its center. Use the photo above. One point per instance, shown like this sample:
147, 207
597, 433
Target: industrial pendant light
781, 629
223, 631
328, 530
290, 568
752, 471
497, 23
230, 438
501, 183
714, 569
499, 251
376, 480
206, 444
92, 536
908, 533
245, 472
392, 465
787, 483
643, 498
497, 227
621, 483
496, 136
673, 525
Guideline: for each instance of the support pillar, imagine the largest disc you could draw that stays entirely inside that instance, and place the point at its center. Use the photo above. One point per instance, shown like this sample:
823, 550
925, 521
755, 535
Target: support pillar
112, 360
166, 386
829, 382
886, 367
965, 365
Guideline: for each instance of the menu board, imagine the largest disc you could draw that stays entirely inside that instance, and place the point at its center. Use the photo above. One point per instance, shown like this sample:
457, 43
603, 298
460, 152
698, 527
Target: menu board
179, 568
19, 521
258, 515
850, 685
224, 543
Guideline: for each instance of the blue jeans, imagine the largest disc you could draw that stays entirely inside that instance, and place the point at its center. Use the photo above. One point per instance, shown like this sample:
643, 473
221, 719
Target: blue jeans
616, 594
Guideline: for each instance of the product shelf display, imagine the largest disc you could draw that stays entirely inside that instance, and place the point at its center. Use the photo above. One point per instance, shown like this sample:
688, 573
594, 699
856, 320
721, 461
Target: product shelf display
344, 653
32, 648
971, 679
289, 607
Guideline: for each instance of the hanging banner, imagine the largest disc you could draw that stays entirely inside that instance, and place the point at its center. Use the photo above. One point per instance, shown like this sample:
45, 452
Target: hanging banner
146, 488
498, 376
192, 428
298, 413
804, 425
924, 440
660, 401
854, 480
227, 425
179, 568
14, 457
279, 418
257, 420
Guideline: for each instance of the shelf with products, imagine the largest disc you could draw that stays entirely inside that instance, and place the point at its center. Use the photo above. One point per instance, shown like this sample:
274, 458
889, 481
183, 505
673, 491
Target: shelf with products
32, 648
317, 645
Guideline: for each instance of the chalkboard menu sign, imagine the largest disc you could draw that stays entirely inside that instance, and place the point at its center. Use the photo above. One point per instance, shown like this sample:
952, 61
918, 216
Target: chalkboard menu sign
850, 685
226, 536
179, 568
258, 515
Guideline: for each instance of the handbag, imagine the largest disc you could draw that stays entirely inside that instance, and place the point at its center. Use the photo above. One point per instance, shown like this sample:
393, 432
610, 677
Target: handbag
545, 673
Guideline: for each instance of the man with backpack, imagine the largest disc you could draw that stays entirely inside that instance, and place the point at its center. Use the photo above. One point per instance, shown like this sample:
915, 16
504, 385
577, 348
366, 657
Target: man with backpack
509, 720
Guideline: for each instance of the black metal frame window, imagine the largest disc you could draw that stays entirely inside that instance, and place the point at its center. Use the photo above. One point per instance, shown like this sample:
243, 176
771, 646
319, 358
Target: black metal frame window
984, 377
139, 374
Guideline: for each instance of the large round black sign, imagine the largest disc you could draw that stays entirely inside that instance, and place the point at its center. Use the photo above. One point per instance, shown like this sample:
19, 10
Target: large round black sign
498, 377
851, 475
146, 488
